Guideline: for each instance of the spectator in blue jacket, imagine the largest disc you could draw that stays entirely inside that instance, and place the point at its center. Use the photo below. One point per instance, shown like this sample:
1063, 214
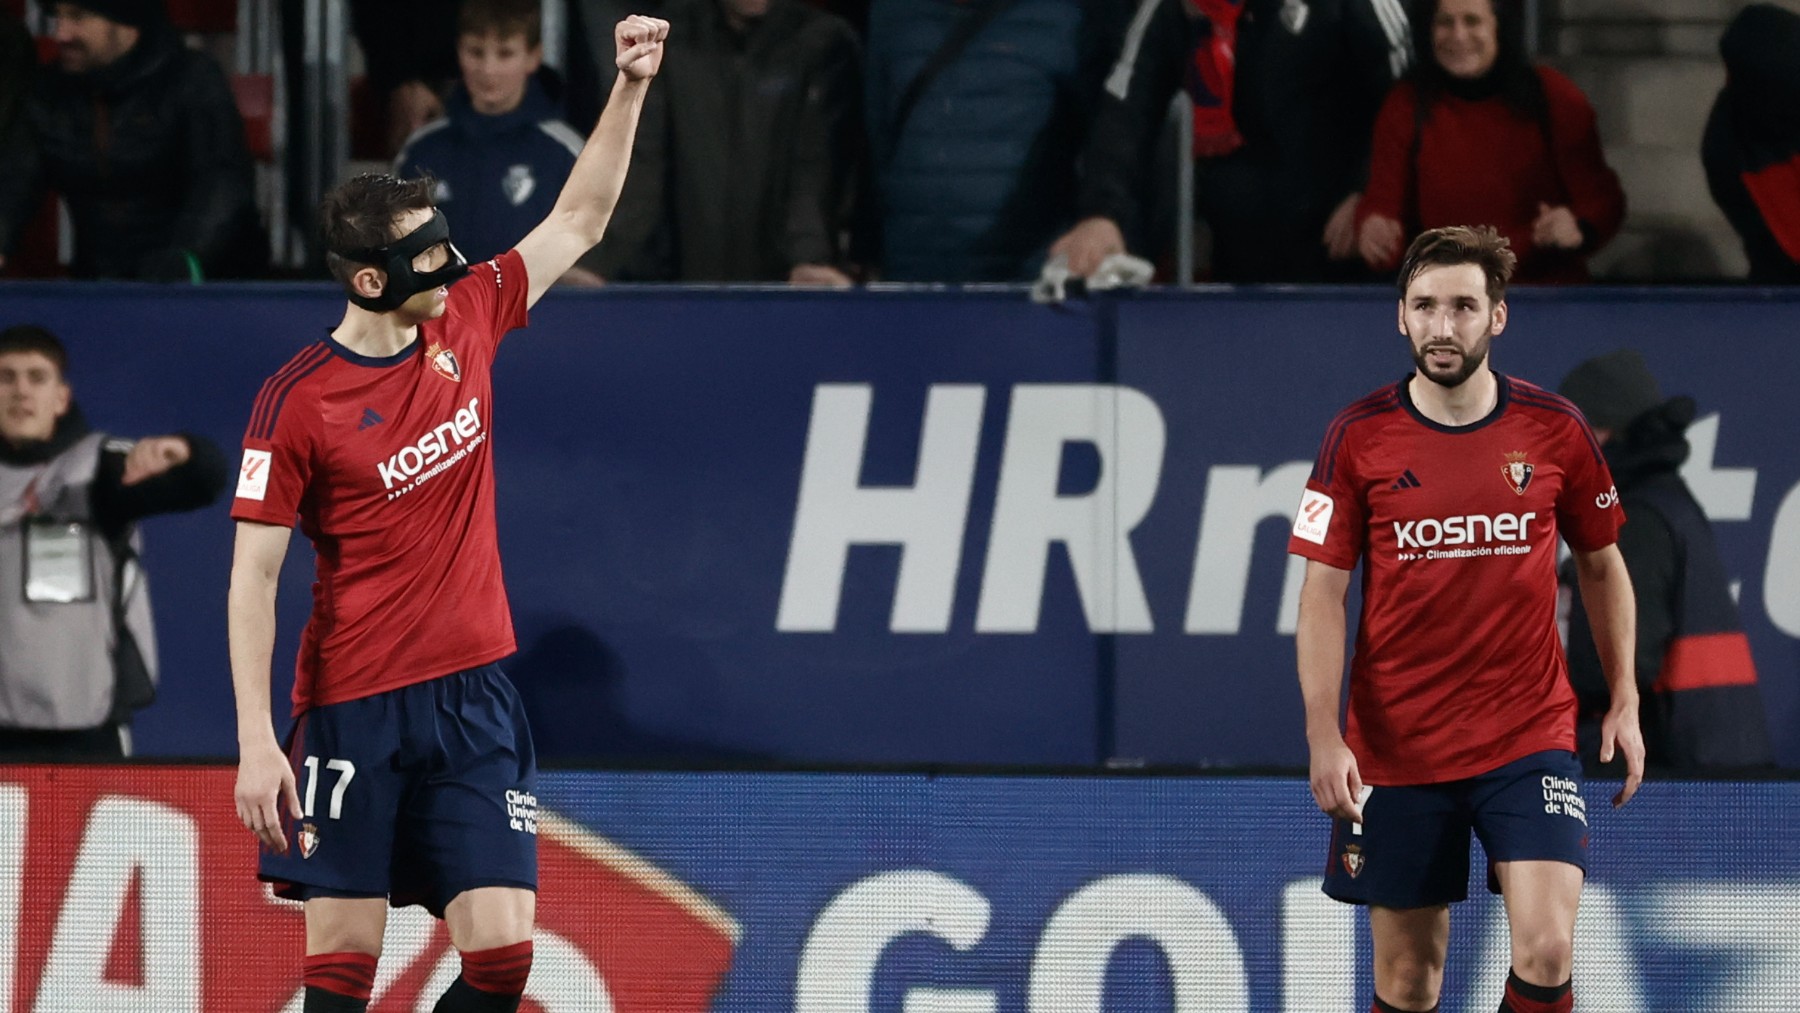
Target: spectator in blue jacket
501, 153
976, 114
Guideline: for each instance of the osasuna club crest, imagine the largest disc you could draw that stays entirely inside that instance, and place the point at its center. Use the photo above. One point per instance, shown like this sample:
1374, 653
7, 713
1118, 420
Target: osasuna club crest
518, 184
444, 361
309, 839
1353, 861
1293, 16
1517, 472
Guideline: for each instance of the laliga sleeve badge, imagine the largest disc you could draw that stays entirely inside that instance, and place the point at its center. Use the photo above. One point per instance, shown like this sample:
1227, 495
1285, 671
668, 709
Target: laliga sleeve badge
1313, 520
1353, 860
253, 474
308, 838
444, 361
1517, 472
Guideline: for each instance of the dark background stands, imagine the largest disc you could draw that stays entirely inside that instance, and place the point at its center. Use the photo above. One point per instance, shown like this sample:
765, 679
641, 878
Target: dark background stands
18, 58
982, 176
746, 149
149, 154
409, 50
1305, 95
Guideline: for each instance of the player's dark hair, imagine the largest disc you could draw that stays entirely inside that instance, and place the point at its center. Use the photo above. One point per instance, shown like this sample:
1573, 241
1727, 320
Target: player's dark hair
32, 338
502, 18
359, 214
1480, 245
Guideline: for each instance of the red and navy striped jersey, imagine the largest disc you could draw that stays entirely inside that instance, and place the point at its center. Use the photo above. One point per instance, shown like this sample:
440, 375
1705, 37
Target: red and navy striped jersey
387, 465
1458, 668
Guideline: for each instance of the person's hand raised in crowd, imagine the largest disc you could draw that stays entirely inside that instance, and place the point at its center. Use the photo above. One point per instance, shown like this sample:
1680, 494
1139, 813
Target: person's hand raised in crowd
1340, 229
818, 276
1556, 227
152, 456
411, 106
1088, 243
1379, 241
639, 43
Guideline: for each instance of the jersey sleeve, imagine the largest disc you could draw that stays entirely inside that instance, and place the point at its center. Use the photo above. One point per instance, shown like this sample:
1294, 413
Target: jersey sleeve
1329, 526
1587, 511
276, 466
492, 297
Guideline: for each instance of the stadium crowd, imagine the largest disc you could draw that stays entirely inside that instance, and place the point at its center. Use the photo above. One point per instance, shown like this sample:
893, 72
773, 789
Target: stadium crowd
833, 142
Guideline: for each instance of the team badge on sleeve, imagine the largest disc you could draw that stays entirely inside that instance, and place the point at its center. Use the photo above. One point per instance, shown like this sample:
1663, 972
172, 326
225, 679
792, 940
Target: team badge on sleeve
253, 476
1517, 472
1314, 518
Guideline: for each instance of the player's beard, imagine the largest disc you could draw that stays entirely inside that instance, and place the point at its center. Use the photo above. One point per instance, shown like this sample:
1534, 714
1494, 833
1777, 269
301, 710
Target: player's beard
1470, 360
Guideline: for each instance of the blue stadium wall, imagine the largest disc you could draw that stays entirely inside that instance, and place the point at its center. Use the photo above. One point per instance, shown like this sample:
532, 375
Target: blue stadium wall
900, 527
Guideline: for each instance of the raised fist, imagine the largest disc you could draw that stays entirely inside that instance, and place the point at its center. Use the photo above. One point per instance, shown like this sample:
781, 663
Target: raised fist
639, 43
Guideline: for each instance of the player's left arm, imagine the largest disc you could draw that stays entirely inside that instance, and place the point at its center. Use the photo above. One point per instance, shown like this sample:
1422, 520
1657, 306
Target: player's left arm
1612, 612
587, 199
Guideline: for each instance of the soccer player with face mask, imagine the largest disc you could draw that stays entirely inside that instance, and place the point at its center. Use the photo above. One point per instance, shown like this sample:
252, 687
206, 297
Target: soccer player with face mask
408, 775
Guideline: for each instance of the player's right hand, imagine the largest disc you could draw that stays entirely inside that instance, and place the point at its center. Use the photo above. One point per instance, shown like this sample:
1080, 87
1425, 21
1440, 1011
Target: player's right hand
1336, 783
638, 43
264, 781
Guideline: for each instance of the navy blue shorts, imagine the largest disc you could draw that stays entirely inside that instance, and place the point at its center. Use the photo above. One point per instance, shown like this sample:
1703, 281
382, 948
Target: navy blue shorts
1413, 846
416, 795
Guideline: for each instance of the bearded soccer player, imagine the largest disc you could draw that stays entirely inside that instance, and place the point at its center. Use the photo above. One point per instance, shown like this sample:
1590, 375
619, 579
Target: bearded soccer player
1453, 486
409, 773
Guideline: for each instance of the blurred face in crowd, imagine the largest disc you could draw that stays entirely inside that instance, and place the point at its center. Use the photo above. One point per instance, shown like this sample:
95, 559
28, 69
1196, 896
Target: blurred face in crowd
1465, 37
85, 41
32, 397
746, 10
495, 69
1451, 323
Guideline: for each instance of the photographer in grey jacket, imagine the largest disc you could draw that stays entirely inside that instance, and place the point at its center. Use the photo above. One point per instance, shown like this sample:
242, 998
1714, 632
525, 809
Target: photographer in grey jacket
77, 650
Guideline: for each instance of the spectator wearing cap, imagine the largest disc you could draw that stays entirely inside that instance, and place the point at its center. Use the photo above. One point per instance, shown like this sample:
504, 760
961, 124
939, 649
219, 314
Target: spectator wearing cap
1701, 706
141, 137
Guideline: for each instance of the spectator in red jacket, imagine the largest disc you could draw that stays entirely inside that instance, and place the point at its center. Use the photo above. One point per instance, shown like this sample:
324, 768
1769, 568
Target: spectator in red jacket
1478, 135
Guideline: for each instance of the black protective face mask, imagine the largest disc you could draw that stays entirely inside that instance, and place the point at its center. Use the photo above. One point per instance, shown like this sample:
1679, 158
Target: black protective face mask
396, 258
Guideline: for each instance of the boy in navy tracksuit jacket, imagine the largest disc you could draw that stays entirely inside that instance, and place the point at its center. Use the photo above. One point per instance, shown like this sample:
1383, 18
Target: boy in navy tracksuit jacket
501, 154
